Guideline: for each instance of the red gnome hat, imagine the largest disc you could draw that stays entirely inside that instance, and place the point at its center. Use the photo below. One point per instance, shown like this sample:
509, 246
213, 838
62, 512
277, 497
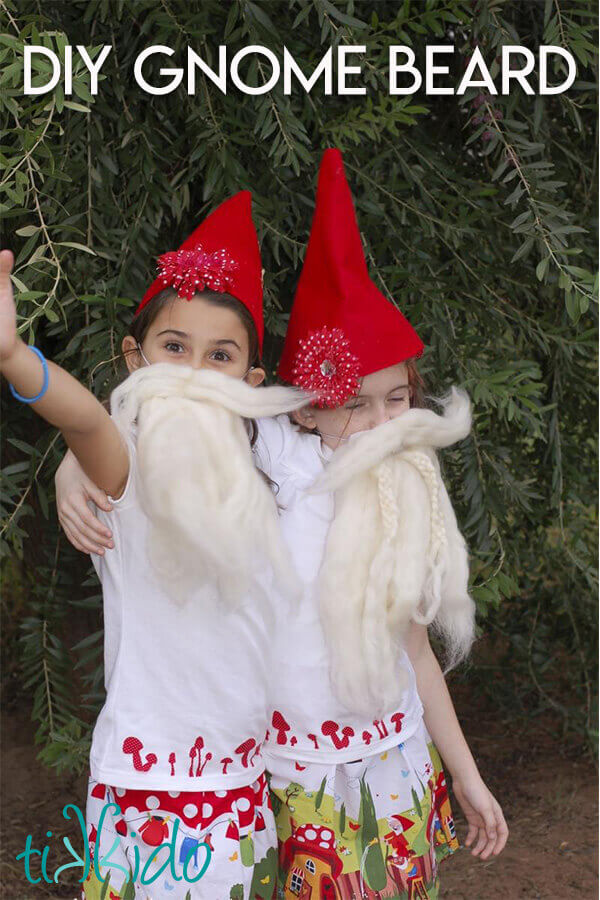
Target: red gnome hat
341, 326
222, 254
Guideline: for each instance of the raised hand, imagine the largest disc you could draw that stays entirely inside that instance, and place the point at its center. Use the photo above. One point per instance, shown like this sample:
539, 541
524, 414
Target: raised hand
8, 312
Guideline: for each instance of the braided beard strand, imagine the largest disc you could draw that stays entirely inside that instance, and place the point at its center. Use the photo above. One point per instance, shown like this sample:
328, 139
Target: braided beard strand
394, 555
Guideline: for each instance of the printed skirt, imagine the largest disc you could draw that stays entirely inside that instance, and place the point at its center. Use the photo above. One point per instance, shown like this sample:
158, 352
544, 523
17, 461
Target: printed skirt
370, 829
170, 845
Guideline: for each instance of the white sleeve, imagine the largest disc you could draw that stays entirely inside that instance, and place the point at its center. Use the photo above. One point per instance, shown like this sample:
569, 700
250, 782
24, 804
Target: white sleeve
273, 439
128, 494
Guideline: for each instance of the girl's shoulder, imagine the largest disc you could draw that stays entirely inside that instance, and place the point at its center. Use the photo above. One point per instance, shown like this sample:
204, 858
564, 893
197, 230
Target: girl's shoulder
281, 445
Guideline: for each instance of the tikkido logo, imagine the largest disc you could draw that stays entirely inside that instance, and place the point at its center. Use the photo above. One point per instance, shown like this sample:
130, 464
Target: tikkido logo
96, 860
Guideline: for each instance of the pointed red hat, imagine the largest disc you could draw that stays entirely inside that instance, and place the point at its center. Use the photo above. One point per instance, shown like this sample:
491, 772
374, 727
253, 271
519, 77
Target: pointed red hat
341, 326
222, 254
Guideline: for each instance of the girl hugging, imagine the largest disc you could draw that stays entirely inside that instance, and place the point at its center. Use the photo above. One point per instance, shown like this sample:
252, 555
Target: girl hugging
294, 609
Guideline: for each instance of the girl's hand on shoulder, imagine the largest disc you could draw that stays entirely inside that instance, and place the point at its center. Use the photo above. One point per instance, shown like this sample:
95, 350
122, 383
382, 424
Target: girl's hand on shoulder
488, 831
8, 313
73, 491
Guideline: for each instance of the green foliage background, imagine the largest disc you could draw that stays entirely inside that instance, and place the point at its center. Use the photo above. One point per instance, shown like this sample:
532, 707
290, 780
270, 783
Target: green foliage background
478, 215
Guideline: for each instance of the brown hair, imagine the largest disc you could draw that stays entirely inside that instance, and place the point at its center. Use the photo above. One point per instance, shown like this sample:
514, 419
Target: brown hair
416, 383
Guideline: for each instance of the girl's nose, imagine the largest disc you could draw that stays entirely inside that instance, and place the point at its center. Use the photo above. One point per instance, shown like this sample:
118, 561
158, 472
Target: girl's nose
378, 417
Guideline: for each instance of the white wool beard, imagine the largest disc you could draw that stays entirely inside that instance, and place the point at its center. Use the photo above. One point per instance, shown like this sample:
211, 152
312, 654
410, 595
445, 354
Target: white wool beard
213, 519
394, 555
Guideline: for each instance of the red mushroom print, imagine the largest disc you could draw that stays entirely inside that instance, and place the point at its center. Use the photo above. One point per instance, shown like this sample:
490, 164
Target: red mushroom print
313, 738
367, 737
293, 740
225, 762
99, 791
259, 822
172, 761
121, 827
330, 729
132, 746
244, 808
318, 842
200, 768
300, 768
381, 728
255, 754
195, 752
280, 726
245, 749
397, 720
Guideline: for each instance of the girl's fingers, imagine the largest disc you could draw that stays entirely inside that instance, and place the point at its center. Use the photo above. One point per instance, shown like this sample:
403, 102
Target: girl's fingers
471, 834
489, 820
99, 497
481, 841
6, 262
72, 539
76, 536
502, 829
83, 520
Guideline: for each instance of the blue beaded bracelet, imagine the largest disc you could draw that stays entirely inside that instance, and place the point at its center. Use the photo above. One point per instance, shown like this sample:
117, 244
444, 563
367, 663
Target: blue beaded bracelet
39, 396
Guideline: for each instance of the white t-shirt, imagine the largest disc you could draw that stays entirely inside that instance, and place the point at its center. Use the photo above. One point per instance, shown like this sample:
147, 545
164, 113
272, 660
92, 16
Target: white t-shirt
304, 709
186, 705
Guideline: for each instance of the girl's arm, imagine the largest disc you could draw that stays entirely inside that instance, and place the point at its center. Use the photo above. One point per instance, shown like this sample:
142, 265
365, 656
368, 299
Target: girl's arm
87, 427
487, 827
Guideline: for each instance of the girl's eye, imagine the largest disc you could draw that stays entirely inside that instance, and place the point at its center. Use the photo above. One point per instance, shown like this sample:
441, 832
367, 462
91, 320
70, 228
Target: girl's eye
174, 347
220, 356
402, 398
356, 406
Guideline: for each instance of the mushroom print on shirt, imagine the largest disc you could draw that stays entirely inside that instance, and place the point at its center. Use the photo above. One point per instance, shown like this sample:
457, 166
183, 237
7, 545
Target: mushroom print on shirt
307, 721
149, 733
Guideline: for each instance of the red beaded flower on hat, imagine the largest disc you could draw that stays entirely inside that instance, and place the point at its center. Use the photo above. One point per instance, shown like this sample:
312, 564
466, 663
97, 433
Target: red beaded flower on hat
189, 271
325, 367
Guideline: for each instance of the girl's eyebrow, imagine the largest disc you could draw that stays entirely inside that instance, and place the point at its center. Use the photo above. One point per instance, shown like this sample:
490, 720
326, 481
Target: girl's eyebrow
227, 341
182, 334
366, 396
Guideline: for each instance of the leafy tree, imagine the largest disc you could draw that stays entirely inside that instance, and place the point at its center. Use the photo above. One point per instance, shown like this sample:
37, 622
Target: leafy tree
320, 793
264, 877
478, 219
371, 860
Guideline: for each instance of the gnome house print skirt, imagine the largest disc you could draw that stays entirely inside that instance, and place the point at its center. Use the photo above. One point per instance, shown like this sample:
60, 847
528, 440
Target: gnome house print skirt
201, 845
366, 830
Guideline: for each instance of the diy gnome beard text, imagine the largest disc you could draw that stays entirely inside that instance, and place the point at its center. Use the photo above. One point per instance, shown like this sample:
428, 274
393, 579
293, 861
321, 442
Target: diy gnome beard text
334, 74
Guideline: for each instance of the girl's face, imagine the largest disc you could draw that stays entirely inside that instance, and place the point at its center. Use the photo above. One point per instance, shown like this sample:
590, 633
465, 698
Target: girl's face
383, 395
195, 333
